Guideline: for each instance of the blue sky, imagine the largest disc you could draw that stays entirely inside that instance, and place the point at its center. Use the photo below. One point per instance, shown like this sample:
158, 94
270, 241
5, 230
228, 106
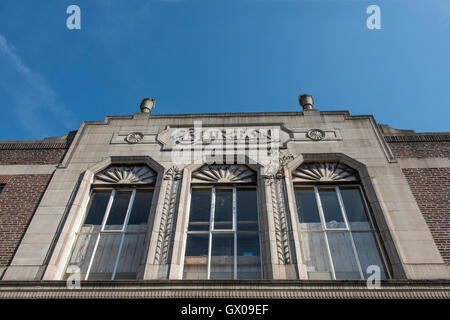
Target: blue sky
197, 56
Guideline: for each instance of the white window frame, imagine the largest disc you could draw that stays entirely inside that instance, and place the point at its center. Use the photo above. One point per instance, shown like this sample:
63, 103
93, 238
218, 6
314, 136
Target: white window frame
233, 230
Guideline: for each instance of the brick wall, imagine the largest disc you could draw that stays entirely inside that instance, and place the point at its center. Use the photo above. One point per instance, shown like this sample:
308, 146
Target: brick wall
431, 189
420, 146
33, 153
45, 156
18, 202
421, 149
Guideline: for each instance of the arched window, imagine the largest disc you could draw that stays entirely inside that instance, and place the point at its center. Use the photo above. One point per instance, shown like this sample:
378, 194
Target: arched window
110, 243
223, 230
339, 239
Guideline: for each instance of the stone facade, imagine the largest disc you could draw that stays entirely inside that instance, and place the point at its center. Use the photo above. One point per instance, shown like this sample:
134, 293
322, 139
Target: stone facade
391, 168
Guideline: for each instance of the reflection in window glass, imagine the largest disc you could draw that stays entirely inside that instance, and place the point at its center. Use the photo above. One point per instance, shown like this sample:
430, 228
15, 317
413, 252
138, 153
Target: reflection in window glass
343, 256
336, 253
365, 246
248, 257
223, 214
82, 252
97, 209
224, 252
118, 211
308, 213
105, 257
331, 209
354, 208
130, 256
141, 208
200, 210
316, 256
1, 187
222, 256
247, 210
196, 256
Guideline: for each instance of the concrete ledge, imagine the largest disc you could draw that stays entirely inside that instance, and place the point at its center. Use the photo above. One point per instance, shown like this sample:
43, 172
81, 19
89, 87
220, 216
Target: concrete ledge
241, 289
417, 163
16, 169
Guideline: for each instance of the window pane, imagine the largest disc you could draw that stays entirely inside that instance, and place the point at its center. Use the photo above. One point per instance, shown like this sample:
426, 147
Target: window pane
368, 252
308, 212
1, 187
316, 256
200, 210
196, 257
118, 210
105, 257
222, 256
82, 254
342, 254
223, 216
247, 209
248, 256
140, 211
97, 209
130, 256
354, 208
331, 209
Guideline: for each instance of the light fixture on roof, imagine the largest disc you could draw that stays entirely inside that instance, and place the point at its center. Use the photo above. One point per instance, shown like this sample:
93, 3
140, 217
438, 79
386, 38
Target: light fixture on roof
147, 105
306, 101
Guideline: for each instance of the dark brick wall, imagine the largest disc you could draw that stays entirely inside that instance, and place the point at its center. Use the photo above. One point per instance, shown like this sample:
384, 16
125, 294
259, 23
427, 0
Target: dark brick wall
18, 202
47, 151
431, 189
421, 149
42, 156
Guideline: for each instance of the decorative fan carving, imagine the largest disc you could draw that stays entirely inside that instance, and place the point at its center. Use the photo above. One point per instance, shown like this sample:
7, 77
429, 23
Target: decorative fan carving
324, 172
126, 174
224, 173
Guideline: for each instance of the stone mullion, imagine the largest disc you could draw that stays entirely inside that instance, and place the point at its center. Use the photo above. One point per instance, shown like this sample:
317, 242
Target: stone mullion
167, 222
280, 224
162, 233
277, 222
283, 222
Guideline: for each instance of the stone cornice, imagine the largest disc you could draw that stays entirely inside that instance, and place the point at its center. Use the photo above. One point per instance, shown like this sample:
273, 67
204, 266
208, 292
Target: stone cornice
242, 289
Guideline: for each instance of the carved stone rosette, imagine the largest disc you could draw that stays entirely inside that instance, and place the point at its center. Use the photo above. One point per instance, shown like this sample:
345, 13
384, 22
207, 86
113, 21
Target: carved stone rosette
275, 183
173, 177
134, 137
316, 134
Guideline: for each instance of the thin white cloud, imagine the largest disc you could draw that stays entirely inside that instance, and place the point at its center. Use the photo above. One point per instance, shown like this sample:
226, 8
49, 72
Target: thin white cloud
34, 102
